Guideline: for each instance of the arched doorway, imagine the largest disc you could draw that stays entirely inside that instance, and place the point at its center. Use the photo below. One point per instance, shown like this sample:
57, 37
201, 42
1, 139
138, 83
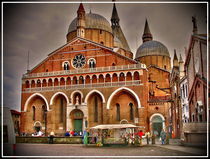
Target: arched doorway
77, 116
157, 123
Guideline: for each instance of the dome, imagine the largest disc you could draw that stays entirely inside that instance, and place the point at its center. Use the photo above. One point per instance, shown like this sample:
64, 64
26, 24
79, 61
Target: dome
152, 47
93, 21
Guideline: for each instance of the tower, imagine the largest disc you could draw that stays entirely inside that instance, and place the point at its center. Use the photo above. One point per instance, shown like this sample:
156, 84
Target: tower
147, 36
81, 21
115, 18
195, 28
117, 31
175, 60
181, 67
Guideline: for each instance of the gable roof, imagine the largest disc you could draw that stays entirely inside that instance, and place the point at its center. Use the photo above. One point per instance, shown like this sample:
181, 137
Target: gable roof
85, 40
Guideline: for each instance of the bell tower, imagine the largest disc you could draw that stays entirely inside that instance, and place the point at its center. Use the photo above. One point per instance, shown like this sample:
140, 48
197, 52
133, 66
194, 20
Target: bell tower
81, 21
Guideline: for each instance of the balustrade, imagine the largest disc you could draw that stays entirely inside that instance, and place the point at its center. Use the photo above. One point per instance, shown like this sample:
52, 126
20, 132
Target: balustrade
85, 70
83, 86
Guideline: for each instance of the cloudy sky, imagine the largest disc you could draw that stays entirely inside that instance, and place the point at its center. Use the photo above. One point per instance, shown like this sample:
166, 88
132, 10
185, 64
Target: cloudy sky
42, 28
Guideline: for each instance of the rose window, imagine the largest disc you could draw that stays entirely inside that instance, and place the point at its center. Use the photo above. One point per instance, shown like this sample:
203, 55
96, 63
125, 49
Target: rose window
78, 61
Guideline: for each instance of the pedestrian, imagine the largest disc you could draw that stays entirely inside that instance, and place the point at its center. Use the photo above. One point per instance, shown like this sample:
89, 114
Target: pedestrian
52, 134
85, 137
163, 136
67, 134
40, 133
72, 133
148, 137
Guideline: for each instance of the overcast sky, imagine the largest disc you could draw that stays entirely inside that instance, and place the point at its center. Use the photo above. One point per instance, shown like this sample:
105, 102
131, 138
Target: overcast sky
42, 28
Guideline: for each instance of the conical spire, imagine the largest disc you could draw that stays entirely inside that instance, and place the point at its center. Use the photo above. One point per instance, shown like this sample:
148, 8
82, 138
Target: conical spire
195, 28
115, 18
81, 21
147, 36
180, 58
175, 60
175, 56
81, 8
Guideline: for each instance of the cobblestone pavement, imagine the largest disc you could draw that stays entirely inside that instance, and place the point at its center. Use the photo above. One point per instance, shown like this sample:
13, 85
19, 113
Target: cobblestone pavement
81, 150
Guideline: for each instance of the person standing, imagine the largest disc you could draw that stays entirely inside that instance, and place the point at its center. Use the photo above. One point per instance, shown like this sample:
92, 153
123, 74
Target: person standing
163, 136
52, 134
85, 138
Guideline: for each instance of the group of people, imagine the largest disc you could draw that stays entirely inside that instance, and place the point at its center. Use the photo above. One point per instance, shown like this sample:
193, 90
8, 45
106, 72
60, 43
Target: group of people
130, 137
73, 133
38, 134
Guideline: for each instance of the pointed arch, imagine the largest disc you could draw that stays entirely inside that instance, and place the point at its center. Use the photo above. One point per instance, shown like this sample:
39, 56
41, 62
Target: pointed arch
52, 98
120, 89
94, 91
76, 91
32, 96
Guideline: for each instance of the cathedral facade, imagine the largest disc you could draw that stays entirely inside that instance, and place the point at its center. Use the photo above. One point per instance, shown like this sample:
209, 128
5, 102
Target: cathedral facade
94, 79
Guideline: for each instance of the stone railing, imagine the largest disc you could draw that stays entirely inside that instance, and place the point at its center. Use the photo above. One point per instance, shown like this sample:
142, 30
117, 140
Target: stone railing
195, 127
85, 70
83, 86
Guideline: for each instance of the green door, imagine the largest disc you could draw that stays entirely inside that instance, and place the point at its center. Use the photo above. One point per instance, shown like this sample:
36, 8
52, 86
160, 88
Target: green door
157, 127
157, 124
78, 125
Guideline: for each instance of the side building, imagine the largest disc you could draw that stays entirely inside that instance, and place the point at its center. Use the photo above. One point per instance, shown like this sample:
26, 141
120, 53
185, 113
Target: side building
195, 131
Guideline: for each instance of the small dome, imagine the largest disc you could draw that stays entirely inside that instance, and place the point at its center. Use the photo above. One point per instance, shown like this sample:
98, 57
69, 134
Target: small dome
93, 21
152, 47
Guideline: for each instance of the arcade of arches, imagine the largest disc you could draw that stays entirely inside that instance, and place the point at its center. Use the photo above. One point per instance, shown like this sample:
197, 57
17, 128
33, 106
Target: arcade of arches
75, 111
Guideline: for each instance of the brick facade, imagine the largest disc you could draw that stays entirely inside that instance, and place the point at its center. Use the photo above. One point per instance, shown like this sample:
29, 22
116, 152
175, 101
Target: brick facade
56, 94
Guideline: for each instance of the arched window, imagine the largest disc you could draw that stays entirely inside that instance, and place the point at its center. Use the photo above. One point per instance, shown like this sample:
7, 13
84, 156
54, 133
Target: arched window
131, 111
92, 63
81, 80
27, 84
34, 113
38, 83
66, 65
118, 112
96, 109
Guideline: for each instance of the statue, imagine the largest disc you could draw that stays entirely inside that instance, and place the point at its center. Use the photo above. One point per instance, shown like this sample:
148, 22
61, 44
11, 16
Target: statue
77, 100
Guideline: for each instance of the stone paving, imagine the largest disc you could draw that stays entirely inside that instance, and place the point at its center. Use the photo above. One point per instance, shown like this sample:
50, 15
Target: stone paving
75, 150
81, 150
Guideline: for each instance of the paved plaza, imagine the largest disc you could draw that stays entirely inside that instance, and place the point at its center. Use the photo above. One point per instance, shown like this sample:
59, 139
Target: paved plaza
81, 150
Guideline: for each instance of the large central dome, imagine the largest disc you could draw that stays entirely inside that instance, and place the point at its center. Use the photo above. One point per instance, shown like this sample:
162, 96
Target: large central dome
92, 21
152, 47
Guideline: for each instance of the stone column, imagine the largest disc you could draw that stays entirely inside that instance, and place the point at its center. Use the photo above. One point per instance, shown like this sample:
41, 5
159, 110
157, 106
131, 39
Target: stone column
68, 120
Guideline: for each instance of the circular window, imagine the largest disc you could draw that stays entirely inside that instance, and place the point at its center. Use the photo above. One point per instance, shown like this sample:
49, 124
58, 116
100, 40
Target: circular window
78, 61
